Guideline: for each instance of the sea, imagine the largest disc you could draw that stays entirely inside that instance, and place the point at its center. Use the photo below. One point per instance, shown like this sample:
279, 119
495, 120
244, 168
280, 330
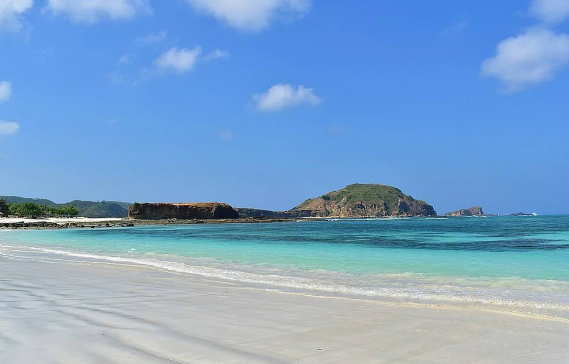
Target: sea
518, 264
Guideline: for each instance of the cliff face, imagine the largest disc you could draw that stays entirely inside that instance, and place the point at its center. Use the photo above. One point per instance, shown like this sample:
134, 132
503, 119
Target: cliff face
473, 211
189, 211
372, 200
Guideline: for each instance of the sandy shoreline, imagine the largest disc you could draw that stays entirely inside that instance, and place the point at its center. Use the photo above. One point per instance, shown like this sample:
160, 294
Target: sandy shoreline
64, 312
83, 222
59, 220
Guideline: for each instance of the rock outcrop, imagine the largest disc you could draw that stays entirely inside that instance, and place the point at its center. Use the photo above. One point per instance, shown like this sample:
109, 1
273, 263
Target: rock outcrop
473, 211
182, 211
365, 200
262, 214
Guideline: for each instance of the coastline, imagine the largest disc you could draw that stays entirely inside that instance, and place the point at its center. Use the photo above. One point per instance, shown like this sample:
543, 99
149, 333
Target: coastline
93, 223
93, 312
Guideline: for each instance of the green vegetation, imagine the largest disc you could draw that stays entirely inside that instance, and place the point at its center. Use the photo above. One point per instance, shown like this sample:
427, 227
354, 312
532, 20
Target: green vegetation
366, 200
4, 208
33, 210
103, 209
373, 194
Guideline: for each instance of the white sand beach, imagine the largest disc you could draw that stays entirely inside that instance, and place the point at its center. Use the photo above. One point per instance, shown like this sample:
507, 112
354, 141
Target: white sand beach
73, 312
59, 220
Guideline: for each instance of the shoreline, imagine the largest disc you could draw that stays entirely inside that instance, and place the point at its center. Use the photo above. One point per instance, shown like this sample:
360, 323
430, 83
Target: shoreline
93, 223
106, 313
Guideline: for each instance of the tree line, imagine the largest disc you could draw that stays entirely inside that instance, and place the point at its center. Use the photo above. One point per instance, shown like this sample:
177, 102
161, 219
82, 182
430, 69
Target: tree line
30, 209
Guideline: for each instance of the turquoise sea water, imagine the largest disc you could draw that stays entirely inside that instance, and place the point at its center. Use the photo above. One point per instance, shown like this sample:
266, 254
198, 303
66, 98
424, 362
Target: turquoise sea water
521, 261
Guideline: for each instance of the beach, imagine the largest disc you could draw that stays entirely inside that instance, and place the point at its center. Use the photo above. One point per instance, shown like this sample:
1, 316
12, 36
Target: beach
349, 291
107, 313
84, 222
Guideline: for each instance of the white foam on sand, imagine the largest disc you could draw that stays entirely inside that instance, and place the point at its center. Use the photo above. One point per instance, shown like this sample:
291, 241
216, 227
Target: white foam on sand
393, 288
58, 220
70, 312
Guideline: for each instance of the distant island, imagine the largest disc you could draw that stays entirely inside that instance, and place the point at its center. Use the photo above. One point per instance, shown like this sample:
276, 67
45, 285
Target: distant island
353, 201
473, 211
524, 214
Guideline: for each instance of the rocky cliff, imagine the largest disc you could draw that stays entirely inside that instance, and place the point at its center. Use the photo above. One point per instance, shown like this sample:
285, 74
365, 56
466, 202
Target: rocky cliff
473, 211
182, 211
365, 200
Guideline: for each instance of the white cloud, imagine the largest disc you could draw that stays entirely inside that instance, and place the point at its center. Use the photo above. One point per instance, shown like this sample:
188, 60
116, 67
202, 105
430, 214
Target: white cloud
152, 38
216, 54
179, 60
11, 12
528, 59
251, 15
8, 128
5, 91
126, 59
550, 11
92, 11
284, 96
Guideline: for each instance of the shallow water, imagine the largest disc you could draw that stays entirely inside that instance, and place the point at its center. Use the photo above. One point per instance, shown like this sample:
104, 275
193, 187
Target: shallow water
513, 261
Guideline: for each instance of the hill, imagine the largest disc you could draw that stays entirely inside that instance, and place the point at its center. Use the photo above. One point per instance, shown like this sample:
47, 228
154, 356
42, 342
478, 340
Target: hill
39, 201
99, 209
366, 200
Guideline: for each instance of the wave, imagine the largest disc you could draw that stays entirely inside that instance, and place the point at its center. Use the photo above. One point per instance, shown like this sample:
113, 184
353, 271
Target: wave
405, 287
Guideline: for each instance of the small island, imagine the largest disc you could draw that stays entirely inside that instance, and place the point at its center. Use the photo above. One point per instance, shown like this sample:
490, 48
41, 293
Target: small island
473, 211
353, 201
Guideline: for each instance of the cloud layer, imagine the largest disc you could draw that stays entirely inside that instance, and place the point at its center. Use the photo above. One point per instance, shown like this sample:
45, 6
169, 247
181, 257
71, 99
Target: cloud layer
530, 58
534, 56
11, 12
8, 128
178, 59
250, 15
550, 11
217, 54
92, 11
283, 96
5, 91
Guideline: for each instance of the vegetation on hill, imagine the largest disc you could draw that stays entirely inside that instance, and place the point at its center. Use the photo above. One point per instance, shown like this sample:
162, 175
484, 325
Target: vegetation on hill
34, 210
370, 193
366, 200
38, 201
102, 209
4, 208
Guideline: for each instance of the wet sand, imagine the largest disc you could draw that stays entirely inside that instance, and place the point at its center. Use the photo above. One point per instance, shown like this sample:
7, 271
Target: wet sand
72, 312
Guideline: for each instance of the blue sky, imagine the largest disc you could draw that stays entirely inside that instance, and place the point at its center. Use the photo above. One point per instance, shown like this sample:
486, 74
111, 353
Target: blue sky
264, 103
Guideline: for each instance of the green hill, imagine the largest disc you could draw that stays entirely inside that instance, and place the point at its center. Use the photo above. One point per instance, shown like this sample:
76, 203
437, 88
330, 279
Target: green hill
39, 201
366, 200
100, 209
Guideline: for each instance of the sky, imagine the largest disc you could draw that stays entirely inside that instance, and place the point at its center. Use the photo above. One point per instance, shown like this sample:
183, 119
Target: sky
265, 103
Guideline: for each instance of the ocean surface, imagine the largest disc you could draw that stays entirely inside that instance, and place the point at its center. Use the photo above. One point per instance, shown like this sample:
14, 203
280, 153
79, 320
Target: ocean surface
510, 262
